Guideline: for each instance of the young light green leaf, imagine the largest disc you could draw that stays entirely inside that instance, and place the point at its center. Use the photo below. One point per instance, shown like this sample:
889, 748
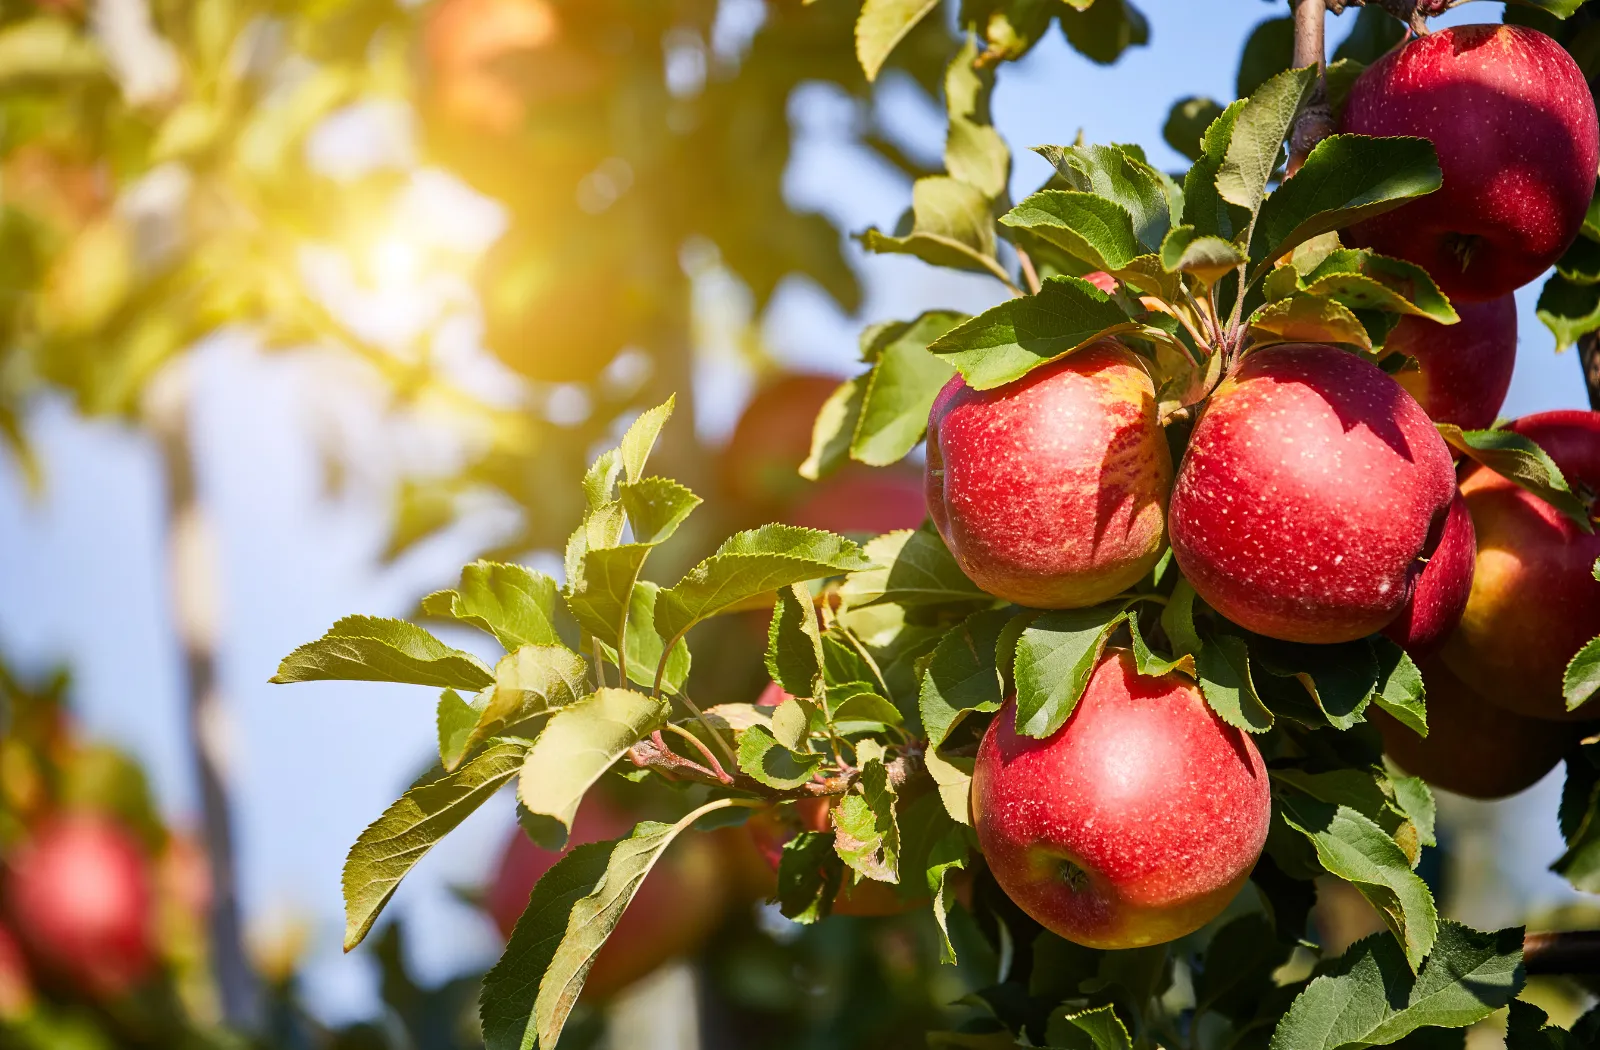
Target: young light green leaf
600, 585
963, 675
1305, 318
645, 644
1259, 130
393, 843
950, 226
916, 569
1208, 258
794, 643
974, 150
534, 680
866, 833
1364, 280
1101, 1024
953, 775
1056, 654
1177, 619
1089, 227
455, 718
1400, 690
1520, 459
1369, 997
655, 507
901, 388
1345, 179
1151, 665
881, 25
809, 875
1115, 173
371, 649
1010, 340
578, 744
866, 707
1582, 677
763, 758
835, 429
640, 439
749, 564
515, 604
1351, 846
1223, 666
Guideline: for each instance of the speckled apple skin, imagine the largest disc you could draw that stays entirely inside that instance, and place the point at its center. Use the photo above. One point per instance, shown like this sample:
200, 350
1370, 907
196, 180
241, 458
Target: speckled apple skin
1534, 601
1514, 125
1473, 747
1312, 485
1135, 823
1052, 491
1439, 596
1466, 367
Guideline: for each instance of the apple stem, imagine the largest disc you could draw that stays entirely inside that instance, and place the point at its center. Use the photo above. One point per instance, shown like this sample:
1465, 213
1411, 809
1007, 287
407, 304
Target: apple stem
1315, 122
1029, 274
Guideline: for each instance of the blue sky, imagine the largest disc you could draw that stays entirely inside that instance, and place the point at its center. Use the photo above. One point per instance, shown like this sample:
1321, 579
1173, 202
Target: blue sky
85, 577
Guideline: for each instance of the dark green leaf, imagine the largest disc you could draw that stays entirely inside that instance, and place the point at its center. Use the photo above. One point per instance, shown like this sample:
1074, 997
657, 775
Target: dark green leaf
1268, 50
1088, 226
1340, 678
1375, 33
1056, 655
1223, 665
794, 643
1569, 310
1187, 122
1103, 30
809, 875
370, 649
1520, 459
962, 675
1117, 174
1400, 689
1259, 130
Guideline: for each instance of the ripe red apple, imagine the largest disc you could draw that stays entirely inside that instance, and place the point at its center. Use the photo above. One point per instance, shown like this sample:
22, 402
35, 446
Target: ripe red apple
1439, 596
1051, 491
1534, 599
1473, 747
759, 467
676, 906
1466, 367
80, 894
1312, 488
1102, 280
1513, 122
1135, 823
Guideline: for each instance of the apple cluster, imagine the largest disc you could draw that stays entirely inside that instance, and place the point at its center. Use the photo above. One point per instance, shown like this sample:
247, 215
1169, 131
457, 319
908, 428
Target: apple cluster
1314, 501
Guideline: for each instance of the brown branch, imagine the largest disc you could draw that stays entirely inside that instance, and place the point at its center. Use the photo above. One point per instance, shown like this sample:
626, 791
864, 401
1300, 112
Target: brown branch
1315, 122
1568, 952
649, 754
1589, 356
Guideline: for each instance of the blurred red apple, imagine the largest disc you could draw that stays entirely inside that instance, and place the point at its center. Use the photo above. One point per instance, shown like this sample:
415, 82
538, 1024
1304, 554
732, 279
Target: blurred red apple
1439, 596
1051, 491
16, 986
872, 502
1512, 119
768, 830
1135, 823
1535, 601
760, 465
1312, 490
81, 897
676, 906
1466, 367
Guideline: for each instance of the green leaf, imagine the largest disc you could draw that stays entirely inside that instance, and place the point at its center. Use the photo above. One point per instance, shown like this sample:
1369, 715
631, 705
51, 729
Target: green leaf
1103, 30
455, 718
1090, 227
1400, 690
1149, 664
1559, 8
371, 649
769, 762
1007, 342
656, 507
917, 569
1223, 666
835, 429
45, 47
1056, 655
640, 440
393, 843
949, 853
1305, 318
1364, 280
882, 25
749, 564
809, 875
901, 388
1340, 678
578, 744
1569, 310
1186, 124
1102, 1026
866, 834
1208, 258
1375, 33
1369, 997
645, 644
1203, 206
950, 226
1520, 459
600, 587
1415, 799
1582, 678
534, 680
1368, 792
974, 151
1581, 263
515, 604
866, 707
1268, 50
1177, 619
1354, 848
794, 643
1114, 173
1345, 179
962, 674
1259, 130
1529, 1028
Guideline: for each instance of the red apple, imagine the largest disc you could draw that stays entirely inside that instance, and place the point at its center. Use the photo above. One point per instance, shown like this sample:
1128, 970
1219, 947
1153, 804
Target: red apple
1135, 823
16, 986
1312, 489
676, 906
1512, 119
1466, 367
767, 832
1439, 596
1473, 747
1102, 280
760, 465
1051, 491
81, 896
1534, 599
862, 502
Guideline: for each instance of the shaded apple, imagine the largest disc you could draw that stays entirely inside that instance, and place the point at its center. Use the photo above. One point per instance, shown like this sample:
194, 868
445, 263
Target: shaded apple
1473, 747
81, 896
1135, 823
1051, 491
675, 907
1512, 119
1534, 600
863, 502
1312, 490
1465, 367
759, 467
1439, 595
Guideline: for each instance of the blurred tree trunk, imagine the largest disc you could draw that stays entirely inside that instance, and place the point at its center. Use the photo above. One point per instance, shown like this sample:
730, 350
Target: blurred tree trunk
1589, 354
